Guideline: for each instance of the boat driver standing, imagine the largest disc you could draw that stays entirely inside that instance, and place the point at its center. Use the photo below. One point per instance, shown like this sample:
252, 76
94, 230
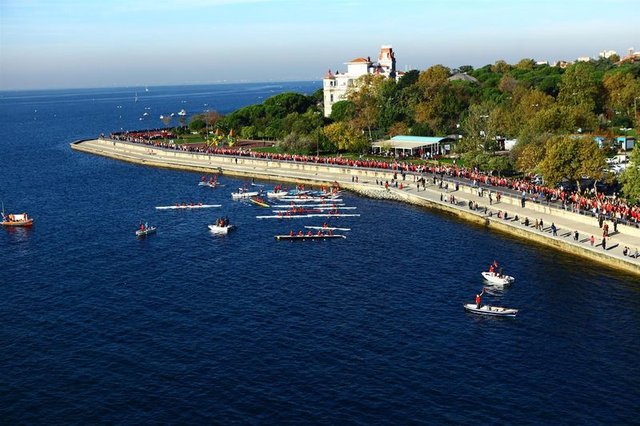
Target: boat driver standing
479, 299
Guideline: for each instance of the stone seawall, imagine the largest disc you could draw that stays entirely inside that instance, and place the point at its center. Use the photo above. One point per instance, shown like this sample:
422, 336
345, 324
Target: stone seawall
310, 173
500, 225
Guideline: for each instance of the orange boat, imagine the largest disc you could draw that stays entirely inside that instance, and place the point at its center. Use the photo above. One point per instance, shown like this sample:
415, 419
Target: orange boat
16, 220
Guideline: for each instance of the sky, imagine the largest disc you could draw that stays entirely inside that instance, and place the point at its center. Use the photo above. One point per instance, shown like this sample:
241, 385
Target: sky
115, 43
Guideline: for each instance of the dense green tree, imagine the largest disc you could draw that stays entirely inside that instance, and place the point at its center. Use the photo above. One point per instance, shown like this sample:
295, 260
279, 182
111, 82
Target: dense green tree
569, 157
579, 86
345, 136
281, 105
366, 95
248, 132
507, 84
476, 134
409, 78
526, 64
343, 111
630, 178
621, 90
197, 124
530, 150
297, 144
500, 67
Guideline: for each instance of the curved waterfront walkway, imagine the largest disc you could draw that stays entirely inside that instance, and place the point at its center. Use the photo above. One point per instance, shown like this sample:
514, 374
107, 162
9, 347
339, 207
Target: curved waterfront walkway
432, 195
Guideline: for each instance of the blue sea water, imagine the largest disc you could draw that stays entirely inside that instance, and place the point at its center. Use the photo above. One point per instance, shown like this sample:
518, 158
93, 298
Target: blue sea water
97, 326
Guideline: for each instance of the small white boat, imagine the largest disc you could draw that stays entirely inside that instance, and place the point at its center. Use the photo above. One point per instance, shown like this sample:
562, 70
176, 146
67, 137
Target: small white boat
497, 279
494, 311
146, 231
221, 229
182, 112
244, 194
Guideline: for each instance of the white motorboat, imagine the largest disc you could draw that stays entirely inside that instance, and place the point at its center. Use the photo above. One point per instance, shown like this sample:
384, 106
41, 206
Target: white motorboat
497, 279
494, 311
221, 229
146, 231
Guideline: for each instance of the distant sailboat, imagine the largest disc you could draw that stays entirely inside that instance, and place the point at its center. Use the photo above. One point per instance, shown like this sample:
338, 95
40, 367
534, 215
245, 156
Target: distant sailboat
136, 98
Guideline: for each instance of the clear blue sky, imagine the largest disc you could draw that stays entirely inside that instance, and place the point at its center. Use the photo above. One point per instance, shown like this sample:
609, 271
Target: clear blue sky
87, 43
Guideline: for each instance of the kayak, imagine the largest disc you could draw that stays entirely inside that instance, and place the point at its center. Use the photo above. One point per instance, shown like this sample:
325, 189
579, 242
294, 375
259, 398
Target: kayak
308, 237
259, 201
494, 311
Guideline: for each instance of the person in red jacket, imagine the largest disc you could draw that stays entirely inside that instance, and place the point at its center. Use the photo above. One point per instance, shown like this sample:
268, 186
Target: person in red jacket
479, 299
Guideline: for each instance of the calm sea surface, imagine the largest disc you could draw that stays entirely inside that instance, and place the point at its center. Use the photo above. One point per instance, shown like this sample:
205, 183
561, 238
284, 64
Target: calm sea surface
97, 326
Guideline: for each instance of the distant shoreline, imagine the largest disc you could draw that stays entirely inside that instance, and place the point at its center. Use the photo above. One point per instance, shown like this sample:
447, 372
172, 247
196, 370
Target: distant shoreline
327, 174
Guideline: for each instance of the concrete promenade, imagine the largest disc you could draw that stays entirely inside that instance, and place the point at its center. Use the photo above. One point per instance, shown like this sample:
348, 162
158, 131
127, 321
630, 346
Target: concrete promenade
434, 195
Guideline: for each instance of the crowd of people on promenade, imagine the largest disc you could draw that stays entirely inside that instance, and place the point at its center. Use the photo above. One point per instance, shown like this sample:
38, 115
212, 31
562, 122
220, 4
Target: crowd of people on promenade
587, 201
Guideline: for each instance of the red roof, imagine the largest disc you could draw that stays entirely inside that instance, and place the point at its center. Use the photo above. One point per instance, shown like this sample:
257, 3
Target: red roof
361, 60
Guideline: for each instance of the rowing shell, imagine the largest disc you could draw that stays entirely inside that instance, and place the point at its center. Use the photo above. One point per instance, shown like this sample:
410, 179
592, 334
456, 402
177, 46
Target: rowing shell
310, 199
247, 194
308, 237
315, 208
211, 185
296, 216
328, 228
195, 206
307, 205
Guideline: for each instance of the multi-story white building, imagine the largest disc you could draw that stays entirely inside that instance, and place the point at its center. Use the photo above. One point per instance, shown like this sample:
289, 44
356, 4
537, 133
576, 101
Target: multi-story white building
607, 54
336, 85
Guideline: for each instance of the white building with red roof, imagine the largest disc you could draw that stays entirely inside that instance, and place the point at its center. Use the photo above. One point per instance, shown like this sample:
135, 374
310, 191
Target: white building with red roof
336, 85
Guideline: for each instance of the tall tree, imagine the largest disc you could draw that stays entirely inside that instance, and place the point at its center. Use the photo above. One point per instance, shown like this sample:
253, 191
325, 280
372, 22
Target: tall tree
345, 136
630, 178
621, 92
343, 111
579, 86
365, 94
569, 157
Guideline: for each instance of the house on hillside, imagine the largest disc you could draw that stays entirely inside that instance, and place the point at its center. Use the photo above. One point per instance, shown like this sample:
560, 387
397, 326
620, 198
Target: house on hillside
335, 85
